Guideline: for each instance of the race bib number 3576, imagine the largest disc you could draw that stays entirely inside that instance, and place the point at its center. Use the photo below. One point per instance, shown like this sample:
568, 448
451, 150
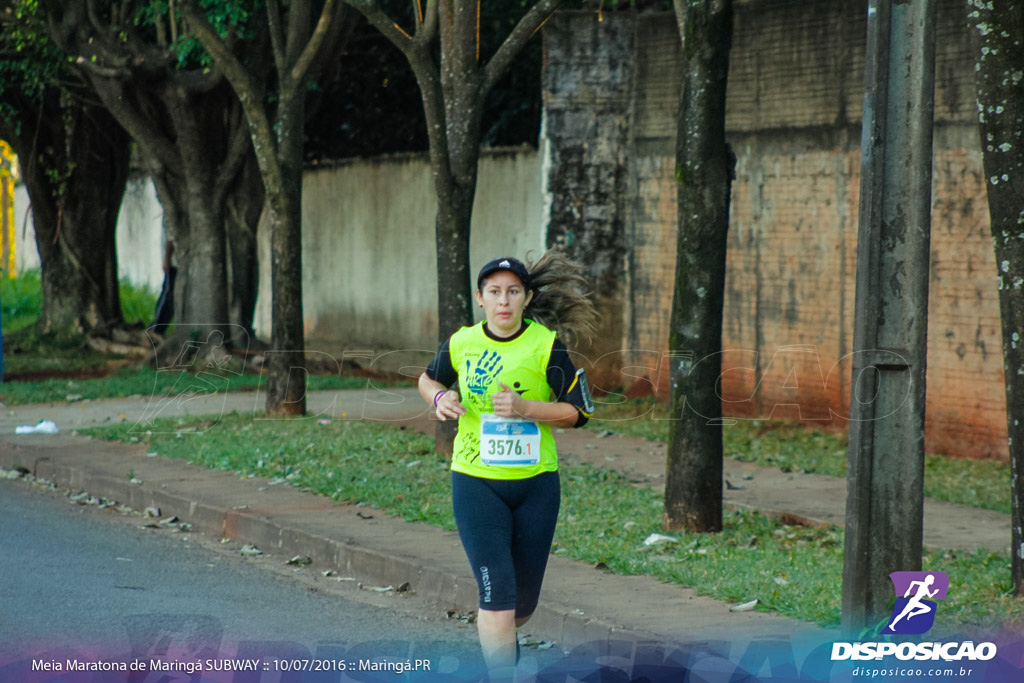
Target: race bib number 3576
509, 442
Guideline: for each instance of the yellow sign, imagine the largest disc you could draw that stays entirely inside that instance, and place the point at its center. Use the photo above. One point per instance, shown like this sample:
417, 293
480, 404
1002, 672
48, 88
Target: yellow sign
8, 172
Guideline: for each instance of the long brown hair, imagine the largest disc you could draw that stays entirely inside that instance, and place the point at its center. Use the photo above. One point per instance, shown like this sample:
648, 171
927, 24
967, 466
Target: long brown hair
561, 297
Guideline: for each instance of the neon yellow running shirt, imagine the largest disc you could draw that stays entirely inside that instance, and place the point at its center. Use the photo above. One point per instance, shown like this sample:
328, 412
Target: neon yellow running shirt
483, 364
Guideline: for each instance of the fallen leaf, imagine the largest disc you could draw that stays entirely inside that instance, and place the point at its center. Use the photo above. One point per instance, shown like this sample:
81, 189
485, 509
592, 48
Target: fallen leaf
378, 589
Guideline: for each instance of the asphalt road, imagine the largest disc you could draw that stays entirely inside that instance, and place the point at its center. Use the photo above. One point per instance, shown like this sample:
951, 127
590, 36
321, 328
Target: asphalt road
91, 584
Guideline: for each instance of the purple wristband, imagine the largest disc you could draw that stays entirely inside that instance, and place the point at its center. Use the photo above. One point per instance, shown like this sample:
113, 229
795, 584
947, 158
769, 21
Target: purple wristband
438, 395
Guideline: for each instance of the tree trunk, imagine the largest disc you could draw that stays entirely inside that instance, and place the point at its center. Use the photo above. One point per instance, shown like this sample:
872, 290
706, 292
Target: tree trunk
454, 274
453, 107
998, 28
454, 302
444, 53
244, 206
704, 170
196, 148
286, 365
299, 49
75, 167
190, 132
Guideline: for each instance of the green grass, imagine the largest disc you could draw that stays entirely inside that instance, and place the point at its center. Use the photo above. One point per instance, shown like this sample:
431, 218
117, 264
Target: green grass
20, 306
798, 447
21, 301
604, 521
138, 305
88, 374
149, 382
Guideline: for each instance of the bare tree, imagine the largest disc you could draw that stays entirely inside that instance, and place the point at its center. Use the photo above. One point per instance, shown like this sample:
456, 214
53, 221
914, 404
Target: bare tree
297, 45
704, 173
998, 26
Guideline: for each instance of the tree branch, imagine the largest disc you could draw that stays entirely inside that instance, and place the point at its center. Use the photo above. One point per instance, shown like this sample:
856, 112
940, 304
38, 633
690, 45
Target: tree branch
196, 80
277, 39
238, 149
61, 24
248, 91
141, 129
385, 24
516, 40
311, 51
428, 31
100, 70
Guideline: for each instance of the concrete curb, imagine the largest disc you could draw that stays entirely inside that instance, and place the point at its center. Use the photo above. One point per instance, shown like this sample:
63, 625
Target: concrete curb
580, 605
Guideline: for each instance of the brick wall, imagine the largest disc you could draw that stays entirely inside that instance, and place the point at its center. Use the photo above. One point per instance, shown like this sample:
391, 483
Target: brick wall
795, 92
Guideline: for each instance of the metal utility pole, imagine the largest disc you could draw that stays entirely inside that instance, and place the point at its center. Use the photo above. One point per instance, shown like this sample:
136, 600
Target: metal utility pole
884, 509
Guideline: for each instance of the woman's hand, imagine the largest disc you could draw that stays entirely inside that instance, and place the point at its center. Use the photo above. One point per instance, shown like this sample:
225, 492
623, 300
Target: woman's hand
508, 403
449, 407
445, 401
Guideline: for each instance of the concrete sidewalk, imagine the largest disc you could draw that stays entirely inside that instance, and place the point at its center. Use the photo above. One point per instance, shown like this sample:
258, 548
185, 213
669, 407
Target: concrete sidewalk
580, 604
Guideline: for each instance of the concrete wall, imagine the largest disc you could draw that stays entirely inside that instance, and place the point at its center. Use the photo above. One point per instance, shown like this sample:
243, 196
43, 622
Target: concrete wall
795, 91
368, 247
795, 94
588, 143
139, 235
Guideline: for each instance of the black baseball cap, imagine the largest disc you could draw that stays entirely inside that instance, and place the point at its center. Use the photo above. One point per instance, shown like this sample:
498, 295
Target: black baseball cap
504, 263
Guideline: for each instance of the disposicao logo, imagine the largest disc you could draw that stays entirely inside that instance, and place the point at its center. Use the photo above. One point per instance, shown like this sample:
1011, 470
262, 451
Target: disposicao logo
914, 613
916, 595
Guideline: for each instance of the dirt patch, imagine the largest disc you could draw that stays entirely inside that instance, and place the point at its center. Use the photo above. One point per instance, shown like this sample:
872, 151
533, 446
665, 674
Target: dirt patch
93, 372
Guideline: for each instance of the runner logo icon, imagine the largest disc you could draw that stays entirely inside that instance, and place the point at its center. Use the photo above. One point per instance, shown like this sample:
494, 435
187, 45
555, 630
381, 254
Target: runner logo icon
916, 593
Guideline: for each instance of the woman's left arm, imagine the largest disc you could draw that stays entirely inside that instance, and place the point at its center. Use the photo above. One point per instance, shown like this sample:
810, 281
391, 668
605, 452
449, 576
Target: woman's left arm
508, 403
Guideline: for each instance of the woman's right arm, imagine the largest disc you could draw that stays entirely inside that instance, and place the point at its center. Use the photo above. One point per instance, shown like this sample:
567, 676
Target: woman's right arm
433, 386
445, 401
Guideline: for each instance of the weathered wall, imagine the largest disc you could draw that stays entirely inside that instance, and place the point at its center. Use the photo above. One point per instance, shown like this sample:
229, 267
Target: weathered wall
140, 251
607, 165
795, 94
368, 249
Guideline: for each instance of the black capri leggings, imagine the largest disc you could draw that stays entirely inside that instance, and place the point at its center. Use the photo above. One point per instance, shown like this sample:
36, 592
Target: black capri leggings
506, 528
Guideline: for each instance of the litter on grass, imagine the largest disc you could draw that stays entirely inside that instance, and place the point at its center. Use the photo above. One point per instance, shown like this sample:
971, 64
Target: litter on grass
43, 427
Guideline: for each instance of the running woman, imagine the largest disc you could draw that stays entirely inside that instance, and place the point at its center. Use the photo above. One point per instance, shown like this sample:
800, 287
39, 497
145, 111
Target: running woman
508, 380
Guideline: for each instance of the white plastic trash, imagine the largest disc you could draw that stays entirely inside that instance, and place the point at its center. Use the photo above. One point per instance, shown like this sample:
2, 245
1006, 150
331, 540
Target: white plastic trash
44, 427
659, 538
